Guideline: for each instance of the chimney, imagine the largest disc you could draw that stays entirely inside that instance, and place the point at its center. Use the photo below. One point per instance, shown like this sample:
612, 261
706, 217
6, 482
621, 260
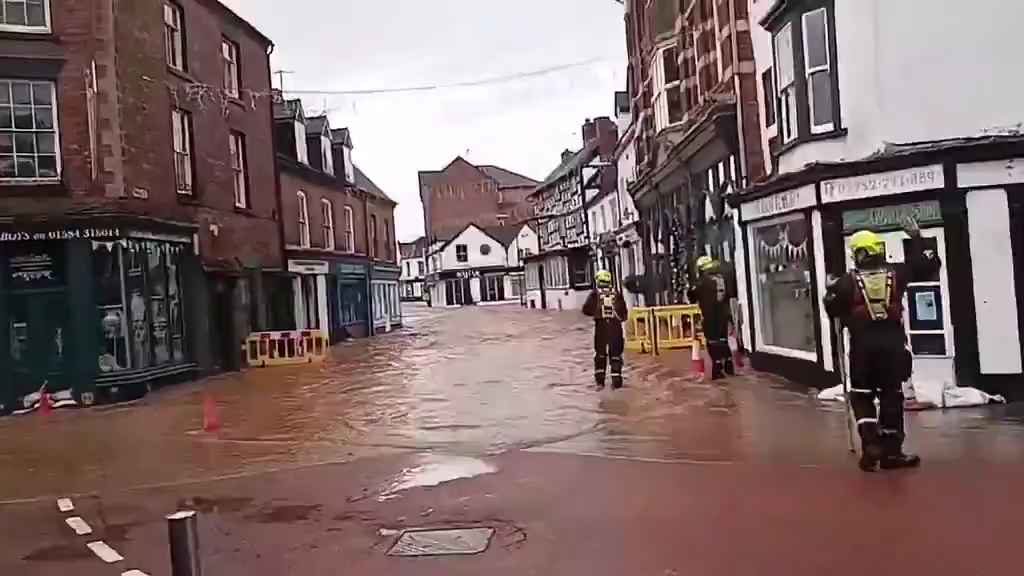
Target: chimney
589, 132
566, 154
606, 132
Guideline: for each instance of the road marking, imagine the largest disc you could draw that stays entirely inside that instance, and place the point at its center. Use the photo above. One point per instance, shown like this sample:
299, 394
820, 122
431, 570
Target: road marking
78, 525
65, 505
134, 573
105, 552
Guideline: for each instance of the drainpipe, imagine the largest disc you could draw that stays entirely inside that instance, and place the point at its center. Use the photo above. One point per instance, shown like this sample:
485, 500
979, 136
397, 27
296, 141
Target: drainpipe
740, 120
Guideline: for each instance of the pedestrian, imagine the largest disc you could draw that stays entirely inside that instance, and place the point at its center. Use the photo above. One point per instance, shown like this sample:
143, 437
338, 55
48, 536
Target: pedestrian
869, 302
607, 307
713, 292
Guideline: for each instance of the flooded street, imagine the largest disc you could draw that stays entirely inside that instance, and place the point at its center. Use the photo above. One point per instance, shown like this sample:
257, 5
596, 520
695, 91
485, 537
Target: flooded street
486, 420
467, 382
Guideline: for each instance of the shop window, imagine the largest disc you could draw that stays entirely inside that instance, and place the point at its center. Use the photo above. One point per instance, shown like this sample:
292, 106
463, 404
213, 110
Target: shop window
139, 300
494, 288
353, 304
28, 131
783, 283
516, 286
580, 265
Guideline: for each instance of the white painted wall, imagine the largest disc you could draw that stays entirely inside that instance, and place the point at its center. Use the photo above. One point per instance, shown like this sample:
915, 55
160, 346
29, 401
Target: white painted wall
526, 240
995, 302
473, 238
915, 73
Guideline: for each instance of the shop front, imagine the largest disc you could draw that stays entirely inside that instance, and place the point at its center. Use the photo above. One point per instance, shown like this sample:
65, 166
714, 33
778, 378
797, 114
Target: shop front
386, 303
349, 318
963, 323
87, 308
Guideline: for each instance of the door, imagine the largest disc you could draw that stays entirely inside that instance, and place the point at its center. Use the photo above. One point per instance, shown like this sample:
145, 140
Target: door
334, 309
38, 326
926, 312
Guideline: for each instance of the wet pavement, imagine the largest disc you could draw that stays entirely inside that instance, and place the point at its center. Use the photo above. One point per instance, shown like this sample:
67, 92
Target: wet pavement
485, 418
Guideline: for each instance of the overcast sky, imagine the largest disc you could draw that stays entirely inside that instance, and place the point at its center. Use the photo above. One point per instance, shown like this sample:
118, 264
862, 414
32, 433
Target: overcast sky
521, 125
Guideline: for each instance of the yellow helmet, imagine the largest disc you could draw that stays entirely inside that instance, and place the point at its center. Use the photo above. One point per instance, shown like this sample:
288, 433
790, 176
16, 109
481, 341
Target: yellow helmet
603, 278
867, 241
705, 263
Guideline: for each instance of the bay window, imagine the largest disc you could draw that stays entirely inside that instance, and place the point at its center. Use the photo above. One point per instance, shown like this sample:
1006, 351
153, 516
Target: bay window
28, 131
668, 97
818, 72
786, 83
805, 80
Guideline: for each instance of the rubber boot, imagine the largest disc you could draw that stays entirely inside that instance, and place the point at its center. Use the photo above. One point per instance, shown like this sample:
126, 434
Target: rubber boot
901, 460
870, 455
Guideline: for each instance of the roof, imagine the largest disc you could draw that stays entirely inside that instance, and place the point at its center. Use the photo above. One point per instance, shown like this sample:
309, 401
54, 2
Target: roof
287, 109
342, 136
507, 178
504, 234
316, 124
363, 181
571, 161
415, 249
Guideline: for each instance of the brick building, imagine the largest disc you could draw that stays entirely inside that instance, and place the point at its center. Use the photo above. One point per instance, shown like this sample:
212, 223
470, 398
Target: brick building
137, 191
693, 87
338, 231
462, 194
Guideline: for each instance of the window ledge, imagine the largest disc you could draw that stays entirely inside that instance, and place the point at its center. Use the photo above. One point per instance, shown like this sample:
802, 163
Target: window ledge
244, 210
182, 74
27, 33
187, 198
32, 188
834, 134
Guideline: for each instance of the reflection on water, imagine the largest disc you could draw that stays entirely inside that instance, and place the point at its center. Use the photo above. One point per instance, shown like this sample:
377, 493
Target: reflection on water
468, 382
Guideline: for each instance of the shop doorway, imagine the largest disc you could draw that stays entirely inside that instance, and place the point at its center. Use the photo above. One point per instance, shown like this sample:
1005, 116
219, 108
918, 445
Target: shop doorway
38, 332
926, 313
223, 338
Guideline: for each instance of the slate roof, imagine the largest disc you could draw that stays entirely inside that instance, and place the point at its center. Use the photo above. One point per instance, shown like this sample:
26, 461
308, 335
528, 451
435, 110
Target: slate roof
504, 234
363, 181
415, 249
342, 136
316, 124
570, 162
507, 178
287, 109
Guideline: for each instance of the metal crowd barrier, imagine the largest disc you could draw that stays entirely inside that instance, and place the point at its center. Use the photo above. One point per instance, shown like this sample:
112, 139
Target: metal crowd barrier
285, 348
662, 328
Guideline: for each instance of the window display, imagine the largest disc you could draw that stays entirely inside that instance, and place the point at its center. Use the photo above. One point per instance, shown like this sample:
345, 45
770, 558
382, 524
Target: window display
783, 283
138, 293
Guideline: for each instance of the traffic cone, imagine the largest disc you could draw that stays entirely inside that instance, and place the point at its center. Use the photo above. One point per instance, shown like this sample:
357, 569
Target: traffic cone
211, 415
697, 359
45, 405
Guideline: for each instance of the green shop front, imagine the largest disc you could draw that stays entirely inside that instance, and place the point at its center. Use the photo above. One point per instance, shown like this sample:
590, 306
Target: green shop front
350, 310
90, 309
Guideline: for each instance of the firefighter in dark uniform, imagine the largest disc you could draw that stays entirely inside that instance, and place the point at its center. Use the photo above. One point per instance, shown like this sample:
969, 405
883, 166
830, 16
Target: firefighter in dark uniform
869, 302
713, 292
608, 309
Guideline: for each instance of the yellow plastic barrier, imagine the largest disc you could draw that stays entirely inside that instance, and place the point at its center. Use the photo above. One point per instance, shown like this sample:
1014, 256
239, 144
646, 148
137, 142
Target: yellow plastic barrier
285, 348
675, 327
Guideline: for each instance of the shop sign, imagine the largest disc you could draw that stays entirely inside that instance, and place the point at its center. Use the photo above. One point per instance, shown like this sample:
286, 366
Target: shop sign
892, 217
467, 274
350, 270
308, 267
62, 234
778, 203
883, 184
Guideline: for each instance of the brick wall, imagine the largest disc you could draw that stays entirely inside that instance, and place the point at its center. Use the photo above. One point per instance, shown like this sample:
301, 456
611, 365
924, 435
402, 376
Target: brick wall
458, 196
387, 250
149, 90
291, 182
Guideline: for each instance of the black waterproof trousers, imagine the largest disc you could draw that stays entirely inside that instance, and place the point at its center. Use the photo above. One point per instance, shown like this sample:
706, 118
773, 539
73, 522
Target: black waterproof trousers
608, 344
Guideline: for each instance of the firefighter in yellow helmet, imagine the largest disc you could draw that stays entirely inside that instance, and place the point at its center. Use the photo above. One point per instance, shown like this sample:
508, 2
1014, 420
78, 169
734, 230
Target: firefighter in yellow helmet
713, 292
608, 309
869, 301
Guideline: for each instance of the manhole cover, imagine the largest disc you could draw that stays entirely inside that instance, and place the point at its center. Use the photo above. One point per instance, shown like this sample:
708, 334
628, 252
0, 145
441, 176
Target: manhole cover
442, 542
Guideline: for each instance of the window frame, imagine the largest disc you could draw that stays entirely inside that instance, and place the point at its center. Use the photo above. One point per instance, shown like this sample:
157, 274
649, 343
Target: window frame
771, 100
462, 253
181, 123
46, 28
35, 132
174, 37
660, 102
231, 66
788, 117
303, 219
239, 167
373, 236
809, 72
350, 229
327, 224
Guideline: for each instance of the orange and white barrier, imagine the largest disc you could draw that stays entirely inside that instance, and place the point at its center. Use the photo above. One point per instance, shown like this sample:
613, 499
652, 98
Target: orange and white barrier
284, 348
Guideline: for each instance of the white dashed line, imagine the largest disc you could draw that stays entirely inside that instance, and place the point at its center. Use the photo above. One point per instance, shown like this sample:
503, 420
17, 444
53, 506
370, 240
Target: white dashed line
78, 525
106, 553
65, 505
134, 573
